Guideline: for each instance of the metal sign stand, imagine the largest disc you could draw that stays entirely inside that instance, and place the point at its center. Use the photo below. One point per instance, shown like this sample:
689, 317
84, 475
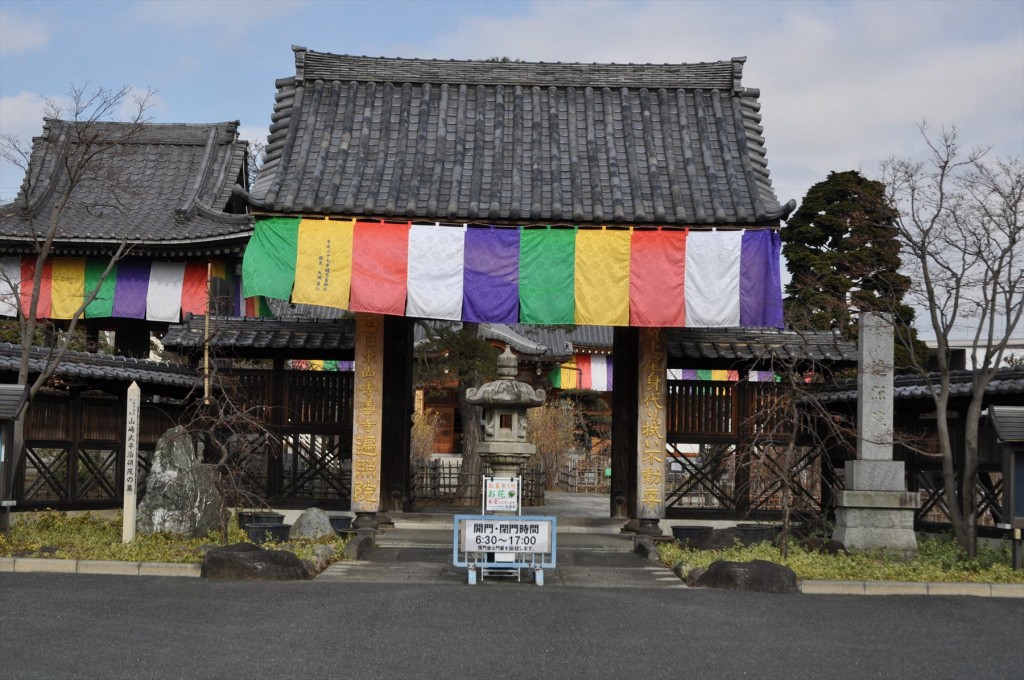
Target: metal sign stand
516, 543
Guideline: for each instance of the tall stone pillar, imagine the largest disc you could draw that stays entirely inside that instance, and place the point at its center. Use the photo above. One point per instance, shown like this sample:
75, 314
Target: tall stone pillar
366, 423
875, 510
651, 395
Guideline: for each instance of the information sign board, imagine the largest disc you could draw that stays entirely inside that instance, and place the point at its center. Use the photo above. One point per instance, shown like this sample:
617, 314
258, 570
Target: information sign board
501, 494
512, 535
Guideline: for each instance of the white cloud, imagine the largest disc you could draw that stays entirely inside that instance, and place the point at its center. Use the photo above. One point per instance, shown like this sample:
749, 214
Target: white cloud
228, 20
842, 83
22, 114
19, 34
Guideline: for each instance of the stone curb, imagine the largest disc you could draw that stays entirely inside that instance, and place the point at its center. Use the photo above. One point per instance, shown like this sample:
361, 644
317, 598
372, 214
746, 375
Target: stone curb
24, 565
1015, 590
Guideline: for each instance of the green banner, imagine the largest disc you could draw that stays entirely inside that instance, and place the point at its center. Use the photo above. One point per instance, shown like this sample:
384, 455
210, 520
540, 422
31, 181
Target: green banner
547, 261
103, 304
268, 267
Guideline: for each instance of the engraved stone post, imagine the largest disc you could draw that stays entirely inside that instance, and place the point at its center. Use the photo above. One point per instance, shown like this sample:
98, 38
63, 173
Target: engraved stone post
366, 426
652, 363
875, 509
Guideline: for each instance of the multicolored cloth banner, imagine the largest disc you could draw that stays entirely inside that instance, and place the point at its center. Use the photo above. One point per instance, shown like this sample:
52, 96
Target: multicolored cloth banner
320, 365
719, 375
584, 372
132, 289
609, 277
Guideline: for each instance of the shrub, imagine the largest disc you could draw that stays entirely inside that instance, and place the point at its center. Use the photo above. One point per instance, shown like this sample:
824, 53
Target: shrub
93, 537
939, 558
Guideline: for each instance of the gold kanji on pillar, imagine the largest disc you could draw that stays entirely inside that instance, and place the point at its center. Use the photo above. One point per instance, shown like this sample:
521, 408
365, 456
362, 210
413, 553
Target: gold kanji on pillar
369, 391
651, 394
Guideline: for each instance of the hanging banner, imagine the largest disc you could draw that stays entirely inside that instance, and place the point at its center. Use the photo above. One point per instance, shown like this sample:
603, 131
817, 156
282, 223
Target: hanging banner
368, 397
654, 277
132, 288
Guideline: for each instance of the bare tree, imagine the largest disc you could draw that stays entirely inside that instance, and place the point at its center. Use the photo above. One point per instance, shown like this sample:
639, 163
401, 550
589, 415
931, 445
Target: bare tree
85, 146
792, 432
960, 223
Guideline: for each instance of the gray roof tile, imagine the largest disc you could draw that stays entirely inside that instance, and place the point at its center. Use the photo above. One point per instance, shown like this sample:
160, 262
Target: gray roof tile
253, 335
89, 366
175, 184
1007, 381
517, 142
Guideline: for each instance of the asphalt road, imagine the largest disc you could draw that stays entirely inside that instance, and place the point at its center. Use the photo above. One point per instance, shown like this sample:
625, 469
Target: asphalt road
78, 626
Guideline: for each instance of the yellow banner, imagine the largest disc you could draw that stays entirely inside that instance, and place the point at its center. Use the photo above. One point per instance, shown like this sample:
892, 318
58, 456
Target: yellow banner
68, 286
602, 277
323, 265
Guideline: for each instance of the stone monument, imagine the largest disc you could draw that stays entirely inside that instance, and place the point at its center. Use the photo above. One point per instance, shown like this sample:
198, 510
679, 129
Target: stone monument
875, 510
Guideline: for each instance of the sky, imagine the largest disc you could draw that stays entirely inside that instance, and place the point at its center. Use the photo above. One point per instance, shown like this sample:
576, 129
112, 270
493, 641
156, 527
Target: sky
844, 84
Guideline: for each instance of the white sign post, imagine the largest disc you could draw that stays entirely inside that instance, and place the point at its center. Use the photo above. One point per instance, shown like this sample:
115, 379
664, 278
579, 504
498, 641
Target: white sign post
131, 463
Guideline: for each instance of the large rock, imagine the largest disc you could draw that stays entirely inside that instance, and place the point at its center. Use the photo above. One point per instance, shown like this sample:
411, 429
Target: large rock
181, 492
313, 523
248, 561
758, 576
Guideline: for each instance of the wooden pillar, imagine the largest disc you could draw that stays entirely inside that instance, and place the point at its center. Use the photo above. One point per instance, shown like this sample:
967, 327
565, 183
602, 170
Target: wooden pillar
275, 464
650, 433
625, 352
366, 426
396, 419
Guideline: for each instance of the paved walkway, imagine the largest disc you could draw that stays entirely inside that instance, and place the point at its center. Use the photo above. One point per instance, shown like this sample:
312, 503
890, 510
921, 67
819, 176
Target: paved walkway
591, 551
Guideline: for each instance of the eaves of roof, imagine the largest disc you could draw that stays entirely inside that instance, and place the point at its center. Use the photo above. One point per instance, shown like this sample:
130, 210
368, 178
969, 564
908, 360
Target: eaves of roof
101, 367
234, 333
752, 344
1007, 381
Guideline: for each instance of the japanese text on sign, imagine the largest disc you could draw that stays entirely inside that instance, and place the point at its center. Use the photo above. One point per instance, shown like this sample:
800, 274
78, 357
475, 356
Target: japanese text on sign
501, 494
509, 536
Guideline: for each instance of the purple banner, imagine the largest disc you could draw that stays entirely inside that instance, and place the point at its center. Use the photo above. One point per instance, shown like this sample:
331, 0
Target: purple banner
491, 276
131, 289
760, 279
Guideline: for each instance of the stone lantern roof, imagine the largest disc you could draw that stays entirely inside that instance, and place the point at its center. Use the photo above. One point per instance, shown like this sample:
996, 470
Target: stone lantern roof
506, 390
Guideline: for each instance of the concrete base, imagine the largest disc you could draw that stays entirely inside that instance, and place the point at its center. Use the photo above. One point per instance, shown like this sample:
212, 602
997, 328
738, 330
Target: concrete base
649, 527
366, 520
877, 519
879, 475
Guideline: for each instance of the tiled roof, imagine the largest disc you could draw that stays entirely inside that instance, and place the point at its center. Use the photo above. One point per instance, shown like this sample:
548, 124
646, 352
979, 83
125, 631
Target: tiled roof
234, 334
761, 344
585, 338
96, 367
1008, 421
512, 336
517, 142
1007, 381
11, 399
174, 185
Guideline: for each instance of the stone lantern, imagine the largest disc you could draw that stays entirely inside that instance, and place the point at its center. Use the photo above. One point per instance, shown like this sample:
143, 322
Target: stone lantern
503, 444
